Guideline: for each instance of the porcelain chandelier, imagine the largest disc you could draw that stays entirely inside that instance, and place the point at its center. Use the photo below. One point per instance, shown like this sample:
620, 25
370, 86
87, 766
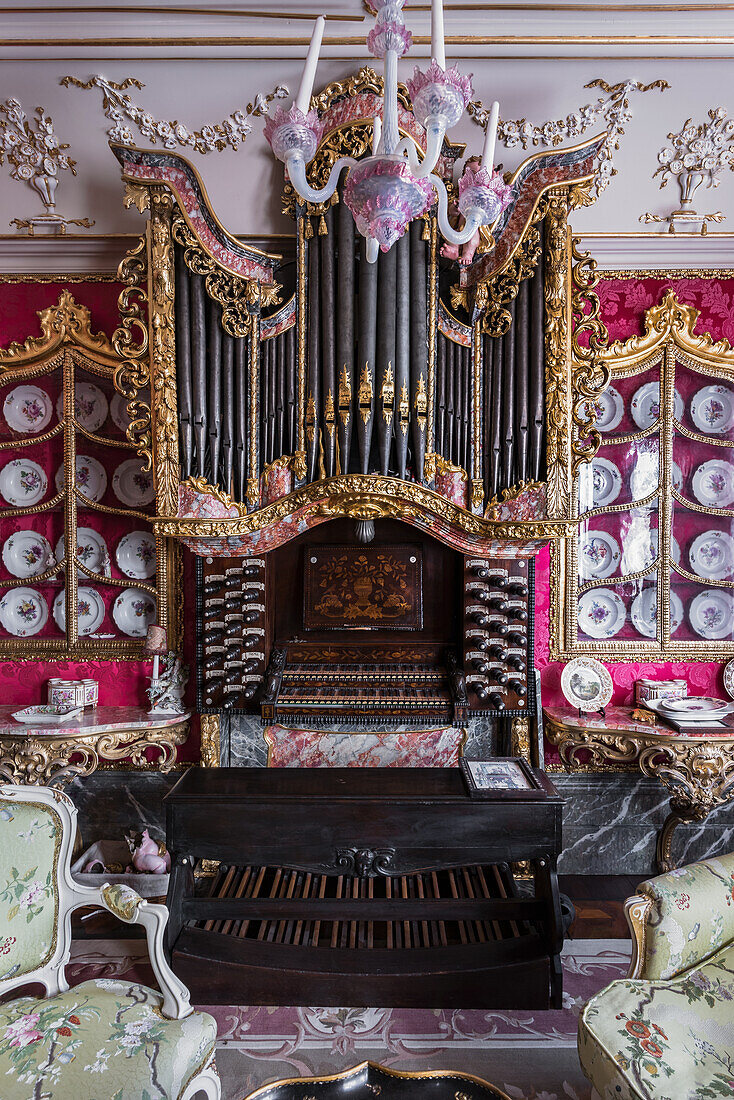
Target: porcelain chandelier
394, 185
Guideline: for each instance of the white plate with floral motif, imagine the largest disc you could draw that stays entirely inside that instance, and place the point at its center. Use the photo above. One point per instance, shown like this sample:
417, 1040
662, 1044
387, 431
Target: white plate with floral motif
602, 482
90, 406
729, 679
644, 612
601, 613
90, 610
118, 412
712, 555
711, 614
645, 405
23, 612
27, 409
598, 555
135, 555
609, 410
586, 683
134, 611
23, 483
713, 483
25, 554
91, 550
91, 479
712, 410
132, 485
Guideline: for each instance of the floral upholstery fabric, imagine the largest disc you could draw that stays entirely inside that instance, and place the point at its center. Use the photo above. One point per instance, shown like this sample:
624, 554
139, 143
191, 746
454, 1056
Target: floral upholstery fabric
663, 1040
122, 900
692, 916
102, 1039
30, 835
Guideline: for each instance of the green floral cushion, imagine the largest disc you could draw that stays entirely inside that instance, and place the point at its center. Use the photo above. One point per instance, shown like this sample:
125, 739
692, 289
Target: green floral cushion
663, 1040
692, 916
102, 1039
30, 837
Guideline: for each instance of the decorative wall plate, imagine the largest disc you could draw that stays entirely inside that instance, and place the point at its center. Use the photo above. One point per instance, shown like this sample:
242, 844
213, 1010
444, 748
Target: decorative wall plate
26, 554
131, 485
90, 610
23, 483
609, 409
713, 483
606, 481
91, 549
712, 555
118, 412
598, 554
645, 405
712, 409
677, 476
135, 555
711, 614
91, 479
134, 611
729, 678
645, 474
90, 406
586, 683
601, 613
674, 546
644, 612
27, 409
23, 612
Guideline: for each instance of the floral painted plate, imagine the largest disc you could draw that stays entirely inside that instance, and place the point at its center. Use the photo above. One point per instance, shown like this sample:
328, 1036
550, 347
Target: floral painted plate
47, 714
644, 612
609, 410
132, 485
23, 483
26, 554
598, 555
601, 613
713, 483
712, 409
586, 683
23, 612
645, 405
90, 610
91, 549
90, 406
27, 409
601, 483
711, 614
134, 611
91, 479
712, 555
135, 555
729, 679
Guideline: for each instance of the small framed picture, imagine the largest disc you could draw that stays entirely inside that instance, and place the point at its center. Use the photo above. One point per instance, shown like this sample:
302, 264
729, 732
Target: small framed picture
500, 777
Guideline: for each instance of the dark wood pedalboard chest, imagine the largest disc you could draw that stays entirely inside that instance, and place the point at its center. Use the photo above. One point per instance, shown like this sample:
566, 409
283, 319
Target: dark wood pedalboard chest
360, 887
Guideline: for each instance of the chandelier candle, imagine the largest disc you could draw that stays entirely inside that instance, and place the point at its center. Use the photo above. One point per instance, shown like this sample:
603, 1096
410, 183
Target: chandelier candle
490, 137
303, 99
438, 46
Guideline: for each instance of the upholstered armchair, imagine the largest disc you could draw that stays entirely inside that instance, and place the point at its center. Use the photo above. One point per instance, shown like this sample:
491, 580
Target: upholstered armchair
104, 1038
667, 1030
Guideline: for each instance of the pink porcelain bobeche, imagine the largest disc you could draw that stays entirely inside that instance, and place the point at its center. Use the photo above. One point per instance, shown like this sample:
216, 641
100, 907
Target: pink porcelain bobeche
389, 35
440, 93
384, 198
293, 131
480, 188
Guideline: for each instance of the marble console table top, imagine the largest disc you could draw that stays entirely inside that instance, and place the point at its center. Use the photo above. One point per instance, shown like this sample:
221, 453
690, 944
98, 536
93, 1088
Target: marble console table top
620, 720
89, 722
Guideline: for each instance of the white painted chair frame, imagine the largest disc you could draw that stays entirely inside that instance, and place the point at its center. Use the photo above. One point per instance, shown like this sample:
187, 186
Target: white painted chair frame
71, 895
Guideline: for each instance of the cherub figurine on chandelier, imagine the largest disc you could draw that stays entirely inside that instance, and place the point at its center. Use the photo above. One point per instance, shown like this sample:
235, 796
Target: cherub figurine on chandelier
390, 188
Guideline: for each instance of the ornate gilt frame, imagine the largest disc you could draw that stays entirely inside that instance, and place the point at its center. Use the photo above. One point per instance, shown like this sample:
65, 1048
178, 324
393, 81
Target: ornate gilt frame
669, 336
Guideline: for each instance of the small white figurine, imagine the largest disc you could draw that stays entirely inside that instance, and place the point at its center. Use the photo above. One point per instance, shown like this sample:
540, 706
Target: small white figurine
167, 688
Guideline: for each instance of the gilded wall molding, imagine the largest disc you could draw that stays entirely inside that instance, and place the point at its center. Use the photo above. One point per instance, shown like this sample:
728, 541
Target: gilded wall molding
670, 320
210, 740
131, 342
68, 322
164, 404
588, 338
557, 354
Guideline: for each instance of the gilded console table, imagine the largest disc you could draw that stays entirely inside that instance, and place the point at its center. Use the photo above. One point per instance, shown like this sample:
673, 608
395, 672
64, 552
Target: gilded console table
56, 754
696, 767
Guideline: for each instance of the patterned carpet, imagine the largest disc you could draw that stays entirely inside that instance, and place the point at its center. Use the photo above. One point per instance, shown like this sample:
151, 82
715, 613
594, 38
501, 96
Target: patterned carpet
531, 1055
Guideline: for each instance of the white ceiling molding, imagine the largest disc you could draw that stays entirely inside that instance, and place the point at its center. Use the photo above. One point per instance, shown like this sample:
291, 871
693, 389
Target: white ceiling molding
20, 255
659, 251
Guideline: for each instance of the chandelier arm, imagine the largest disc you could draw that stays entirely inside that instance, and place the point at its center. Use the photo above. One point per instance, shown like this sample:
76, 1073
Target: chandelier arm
474, 217
435, 131
297, 174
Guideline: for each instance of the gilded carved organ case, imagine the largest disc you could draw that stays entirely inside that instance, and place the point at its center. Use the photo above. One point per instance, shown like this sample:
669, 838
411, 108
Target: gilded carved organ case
312, 401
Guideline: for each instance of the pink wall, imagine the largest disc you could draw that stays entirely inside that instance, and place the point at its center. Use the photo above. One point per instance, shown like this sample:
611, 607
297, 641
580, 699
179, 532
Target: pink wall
623, 305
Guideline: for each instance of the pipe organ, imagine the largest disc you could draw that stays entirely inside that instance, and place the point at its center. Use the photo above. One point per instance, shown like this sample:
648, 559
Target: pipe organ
364, 457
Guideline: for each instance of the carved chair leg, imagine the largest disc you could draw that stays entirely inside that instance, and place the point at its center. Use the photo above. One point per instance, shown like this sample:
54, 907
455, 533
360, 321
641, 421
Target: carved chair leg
663, 860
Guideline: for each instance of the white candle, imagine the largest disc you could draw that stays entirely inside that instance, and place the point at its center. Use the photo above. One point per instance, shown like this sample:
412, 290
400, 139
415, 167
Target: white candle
438, 47
490, 137
376, 133
303, 99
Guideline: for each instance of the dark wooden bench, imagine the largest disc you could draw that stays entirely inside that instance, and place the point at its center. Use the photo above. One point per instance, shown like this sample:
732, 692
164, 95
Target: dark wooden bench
363, 887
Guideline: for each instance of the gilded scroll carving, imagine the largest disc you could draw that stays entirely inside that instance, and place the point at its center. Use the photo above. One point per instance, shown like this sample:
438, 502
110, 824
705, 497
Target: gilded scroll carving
557, 381
163, 352
130, 341
588, 337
